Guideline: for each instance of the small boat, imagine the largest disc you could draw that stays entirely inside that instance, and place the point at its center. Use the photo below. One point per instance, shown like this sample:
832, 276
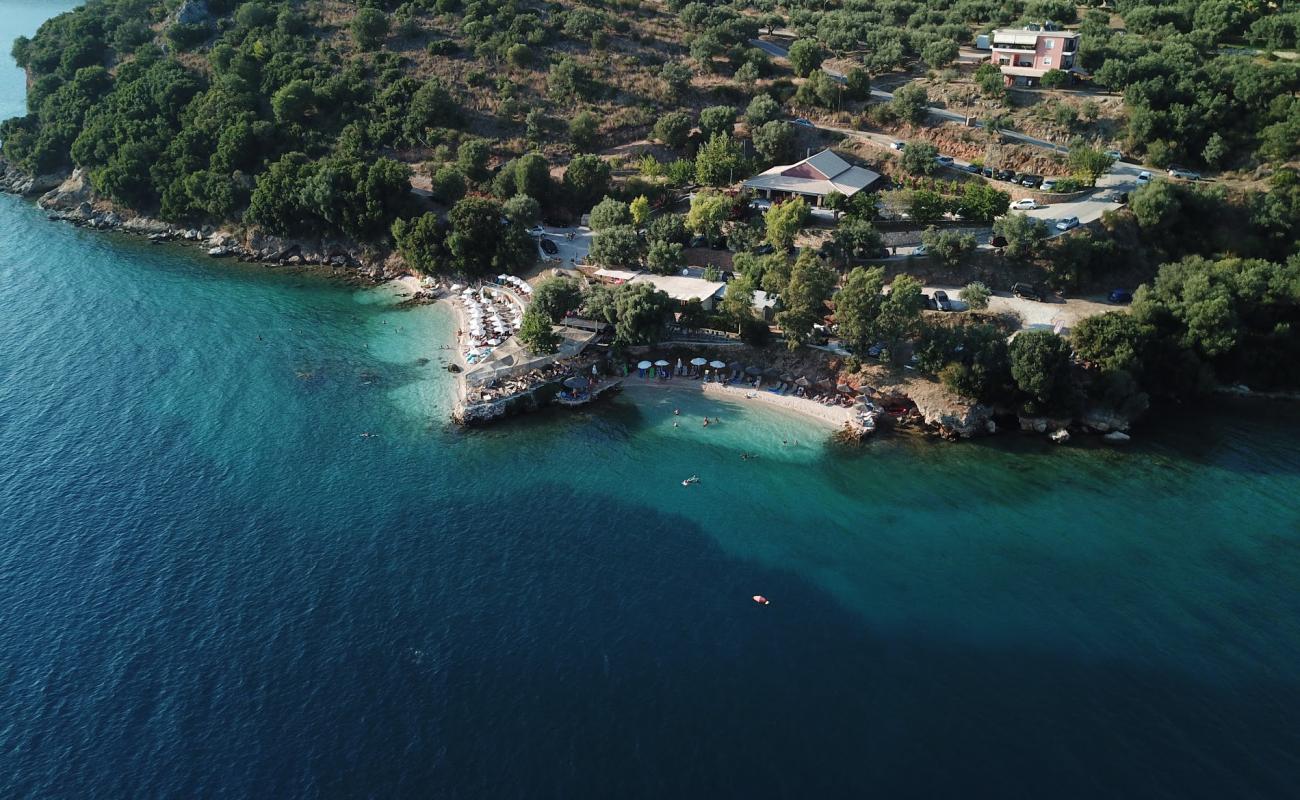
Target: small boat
761, 600
691, 480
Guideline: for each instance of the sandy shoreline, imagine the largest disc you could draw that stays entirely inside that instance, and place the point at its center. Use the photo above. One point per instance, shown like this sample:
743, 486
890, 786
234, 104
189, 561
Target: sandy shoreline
833, 417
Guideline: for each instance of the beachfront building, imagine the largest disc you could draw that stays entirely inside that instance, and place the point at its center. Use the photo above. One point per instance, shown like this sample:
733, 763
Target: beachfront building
813, 179
681, 288
1025, 54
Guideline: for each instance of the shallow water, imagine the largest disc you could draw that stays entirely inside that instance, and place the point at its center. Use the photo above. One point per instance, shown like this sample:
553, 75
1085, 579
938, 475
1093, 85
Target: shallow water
212, 585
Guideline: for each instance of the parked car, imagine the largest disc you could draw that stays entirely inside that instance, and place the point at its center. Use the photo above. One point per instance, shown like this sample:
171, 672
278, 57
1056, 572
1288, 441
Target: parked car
998, 241
898, 145
941, 300
1005, 175
1027, 291
1115, 155
1067, 223
1031, 181
945, 161
536, 230
876, 349
1120, 296
919, 250
927, 301
1143, 178
549, 247
1048, 184
1184, 174
1025, 204
972, 168
1122, 198
764, 249
804, 121
698, 241
988, 172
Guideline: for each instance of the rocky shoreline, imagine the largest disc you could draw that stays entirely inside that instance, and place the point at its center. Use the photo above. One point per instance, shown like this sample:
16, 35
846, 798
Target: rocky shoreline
70, 198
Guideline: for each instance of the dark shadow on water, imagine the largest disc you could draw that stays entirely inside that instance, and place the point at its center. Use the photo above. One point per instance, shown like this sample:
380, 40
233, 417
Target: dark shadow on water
561, 644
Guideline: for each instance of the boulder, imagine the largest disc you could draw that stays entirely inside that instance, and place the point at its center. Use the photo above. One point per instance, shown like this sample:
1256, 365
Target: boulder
193, 12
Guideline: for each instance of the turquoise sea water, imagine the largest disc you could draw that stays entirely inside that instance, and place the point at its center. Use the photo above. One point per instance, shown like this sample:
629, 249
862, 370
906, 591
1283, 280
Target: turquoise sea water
212, 586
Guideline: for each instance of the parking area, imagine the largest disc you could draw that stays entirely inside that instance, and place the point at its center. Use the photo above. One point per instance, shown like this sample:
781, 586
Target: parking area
570, 251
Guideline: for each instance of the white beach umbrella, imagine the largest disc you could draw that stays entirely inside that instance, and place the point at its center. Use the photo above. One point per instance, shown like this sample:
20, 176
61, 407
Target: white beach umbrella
644, 365
661, 363
699, 362
717, 364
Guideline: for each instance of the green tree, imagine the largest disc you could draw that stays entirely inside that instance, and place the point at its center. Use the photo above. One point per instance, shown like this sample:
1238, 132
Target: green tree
856, 238
709, 211
981, 202
668, 228
774, 141
586, 180
618, 247
420, 241
857, 84
665, 258
448, 184
857, 307
609, 213
556, 297
293, 102
537, 334
641, 312
583, 130
919, 158
369, 28
939, 53
1040, 366
472, 159
948, 246
900, 314
805, 56
925, 205
1024, 234
673, 128
479, 244
1088, 163
522, 210
567, 80
1111, 341
1054, 79
762, 110
976, 295
718, 161
804, 298
738, 303
784, 221
640, 210
909, 103
717, 119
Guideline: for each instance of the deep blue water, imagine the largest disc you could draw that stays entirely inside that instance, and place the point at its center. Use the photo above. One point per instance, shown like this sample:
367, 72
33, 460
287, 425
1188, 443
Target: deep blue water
212, 586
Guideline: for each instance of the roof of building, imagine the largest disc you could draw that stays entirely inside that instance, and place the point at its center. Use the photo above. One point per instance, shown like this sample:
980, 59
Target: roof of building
682, 288
818, 175
616, 274
764, 300
1027, 36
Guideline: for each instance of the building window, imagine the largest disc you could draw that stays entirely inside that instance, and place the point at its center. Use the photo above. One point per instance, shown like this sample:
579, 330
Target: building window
1047, 61
1050, 44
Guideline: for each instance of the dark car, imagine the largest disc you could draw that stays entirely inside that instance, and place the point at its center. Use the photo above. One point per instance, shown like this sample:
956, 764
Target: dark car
988, 172
1032, 181
927, 301
1120, 296
941, 300
719, 244
698, 241
549, 247
764, 249
1027, 291
972, 168
1005, 175
998, 241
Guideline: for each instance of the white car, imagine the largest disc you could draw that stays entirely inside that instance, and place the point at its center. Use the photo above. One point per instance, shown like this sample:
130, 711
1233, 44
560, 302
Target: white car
1144, 178
1115, 155
1027, 204
1185, 174
1067, 223
919, 250
897, 145
1048, 184
536, 230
